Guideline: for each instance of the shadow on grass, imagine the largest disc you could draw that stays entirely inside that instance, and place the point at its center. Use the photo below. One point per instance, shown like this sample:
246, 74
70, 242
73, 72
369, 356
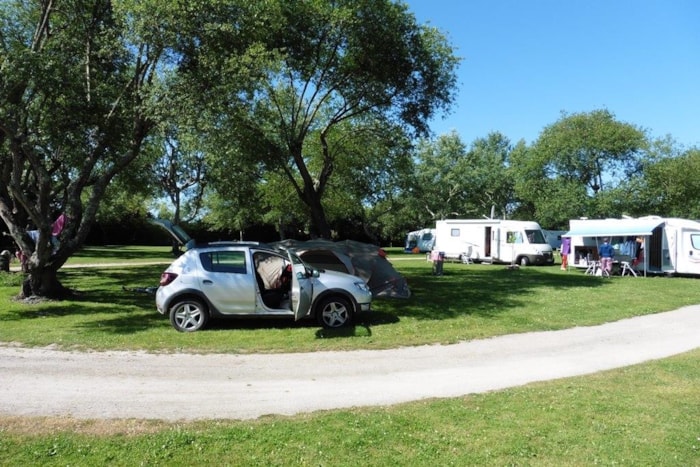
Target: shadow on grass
98, 291
121, 253
481, 290
478, 290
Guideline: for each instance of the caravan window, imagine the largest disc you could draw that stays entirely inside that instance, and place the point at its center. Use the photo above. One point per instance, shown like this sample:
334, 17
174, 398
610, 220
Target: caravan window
695, 241
454, 233
514, 237
535, 236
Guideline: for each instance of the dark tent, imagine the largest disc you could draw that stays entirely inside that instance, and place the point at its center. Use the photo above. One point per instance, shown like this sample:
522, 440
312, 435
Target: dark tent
359, 259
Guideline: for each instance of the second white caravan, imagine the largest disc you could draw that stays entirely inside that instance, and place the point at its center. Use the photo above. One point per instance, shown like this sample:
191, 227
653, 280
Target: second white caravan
493, 240
653, 244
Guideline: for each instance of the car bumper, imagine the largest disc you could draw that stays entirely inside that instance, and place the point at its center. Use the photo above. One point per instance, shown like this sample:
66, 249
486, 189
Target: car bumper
160, 301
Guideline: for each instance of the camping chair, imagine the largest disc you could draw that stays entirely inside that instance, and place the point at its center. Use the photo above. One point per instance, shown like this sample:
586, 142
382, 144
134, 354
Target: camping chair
467, 256
627, 268
593, 265
631, 267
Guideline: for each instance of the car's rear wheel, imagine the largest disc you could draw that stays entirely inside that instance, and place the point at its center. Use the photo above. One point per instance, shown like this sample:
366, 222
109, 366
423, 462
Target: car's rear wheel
189, 315
334, 312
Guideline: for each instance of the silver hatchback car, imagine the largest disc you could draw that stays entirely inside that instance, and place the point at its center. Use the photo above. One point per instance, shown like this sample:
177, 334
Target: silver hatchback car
246, 279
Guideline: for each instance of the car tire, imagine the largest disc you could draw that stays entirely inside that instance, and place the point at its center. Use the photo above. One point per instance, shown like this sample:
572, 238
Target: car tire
189, 315
334, 312
524, 261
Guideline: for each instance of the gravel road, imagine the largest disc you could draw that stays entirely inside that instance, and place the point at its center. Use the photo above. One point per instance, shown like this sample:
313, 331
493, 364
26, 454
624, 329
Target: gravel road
120, 385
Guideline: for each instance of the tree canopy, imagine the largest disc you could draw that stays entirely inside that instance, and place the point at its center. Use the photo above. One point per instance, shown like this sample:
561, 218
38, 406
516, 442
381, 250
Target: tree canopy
567, 171
76, 103
323, 75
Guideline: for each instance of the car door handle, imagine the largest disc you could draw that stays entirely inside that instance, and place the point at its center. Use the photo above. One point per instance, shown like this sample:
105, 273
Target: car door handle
207, 281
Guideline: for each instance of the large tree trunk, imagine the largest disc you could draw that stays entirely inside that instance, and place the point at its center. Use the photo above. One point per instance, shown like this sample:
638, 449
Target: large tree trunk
43, 282
318, 216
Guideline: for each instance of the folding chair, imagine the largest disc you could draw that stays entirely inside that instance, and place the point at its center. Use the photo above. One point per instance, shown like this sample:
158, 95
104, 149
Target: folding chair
627, 269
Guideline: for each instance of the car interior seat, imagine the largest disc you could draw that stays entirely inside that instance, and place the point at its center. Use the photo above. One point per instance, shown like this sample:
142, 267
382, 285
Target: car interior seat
270, 297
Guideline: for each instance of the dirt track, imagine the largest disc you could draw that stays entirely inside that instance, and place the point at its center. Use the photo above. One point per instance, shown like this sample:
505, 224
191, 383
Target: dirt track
117, 385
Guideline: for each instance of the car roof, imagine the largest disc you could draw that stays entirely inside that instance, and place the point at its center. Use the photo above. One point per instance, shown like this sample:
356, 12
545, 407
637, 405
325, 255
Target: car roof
248, 244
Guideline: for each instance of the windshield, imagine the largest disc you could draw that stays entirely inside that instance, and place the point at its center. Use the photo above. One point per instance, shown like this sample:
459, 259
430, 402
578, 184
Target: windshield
535, 236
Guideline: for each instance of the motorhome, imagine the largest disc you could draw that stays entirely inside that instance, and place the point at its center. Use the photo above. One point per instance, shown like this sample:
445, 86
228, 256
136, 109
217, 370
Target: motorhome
655, 245
420, 241
493, 240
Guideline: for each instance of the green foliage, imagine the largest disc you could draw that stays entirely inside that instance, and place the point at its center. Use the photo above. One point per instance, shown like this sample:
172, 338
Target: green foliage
673, 185
79, 94
490, 181
567, 171
451, 180
588, 147
441, 187
318, 79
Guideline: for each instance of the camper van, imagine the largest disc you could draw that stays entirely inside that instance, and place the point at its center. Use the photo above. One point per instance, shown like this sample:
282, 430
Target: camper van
493, 240
420, 241
655, 245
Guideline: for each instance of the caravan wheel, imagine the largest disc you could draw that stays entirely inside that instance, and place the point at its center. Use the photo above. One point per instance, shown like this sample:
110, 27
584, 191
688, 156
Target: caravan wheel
524, 261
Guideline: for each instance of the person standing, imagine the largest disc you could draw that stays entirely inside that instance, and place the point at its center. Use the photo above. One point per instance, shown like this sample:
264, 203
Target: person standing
565, 250
606, 253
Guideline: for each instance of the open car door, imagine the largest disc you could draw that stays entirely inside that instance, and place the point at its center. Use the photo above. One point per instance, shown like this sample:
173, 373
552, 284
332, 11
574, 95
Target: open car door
302, 287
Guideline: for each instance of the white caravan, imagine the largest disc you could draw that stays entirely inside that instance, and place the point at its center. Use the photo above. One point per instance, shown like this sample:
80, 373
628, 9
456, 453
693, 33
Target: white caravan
493, 240
656, 245
421, 240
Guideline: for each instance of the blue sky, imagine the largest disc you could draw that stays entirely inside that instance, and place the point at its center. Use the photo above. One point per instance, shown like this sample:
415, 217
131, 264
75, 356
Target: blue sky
523, 62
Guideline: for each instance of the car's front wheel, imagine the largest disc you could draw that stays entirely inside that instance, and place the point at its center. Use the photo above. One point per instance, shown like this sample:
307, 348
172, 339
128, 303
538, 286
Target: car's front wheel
334, 312
189, 315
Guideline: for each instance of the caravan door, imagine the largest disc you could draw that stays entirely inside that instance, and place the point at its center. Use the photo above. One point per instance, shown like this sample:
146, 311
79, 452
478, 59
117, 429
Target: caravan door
488, 252
688, 252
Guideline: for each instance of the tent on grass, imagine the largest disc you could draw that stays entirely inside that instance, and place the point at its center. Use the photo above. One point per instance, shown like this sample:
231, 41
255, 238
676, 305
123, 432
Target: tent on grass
359, 259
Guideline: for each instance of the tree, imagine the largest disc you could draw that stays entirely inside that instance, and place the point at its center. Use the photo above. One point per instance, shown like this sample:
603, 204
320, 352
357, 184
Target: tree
324, 68
452, 180
592, 149
489, 180
441, 186
180, 173
566, 173
672, 185
77, 99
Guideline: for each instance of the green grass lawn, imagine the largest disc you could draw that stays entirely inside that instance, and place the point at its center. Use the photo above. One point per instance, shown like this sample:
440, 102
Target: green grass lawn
647, 414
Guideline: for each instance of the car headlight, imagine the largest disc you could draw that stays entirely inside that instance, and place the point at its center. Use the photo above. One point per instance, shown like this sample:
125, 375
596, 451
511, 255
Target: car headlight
362, 286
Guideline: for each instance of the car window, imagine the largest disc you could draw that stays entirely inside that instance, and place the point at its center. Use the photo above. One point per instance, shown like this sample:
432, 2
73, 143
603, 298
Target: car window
224, 261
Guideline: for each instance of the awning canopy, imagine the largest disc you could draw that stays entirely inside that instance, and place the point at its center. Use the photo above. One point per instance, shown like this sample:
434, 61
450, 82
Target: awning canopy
613, 228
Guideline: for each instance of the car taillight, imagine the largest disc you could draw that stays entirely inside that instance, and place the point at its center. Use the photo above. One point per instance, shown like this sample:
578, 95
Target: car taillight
167, 277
